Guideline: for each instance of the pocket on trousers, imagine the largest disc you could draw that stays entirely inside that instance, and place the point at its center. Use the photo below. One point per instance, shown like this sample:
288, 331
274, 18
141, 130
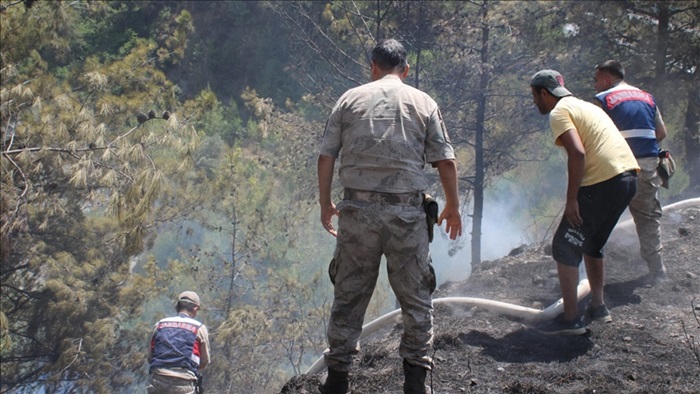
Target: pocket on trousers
428, 273
411, 217
348, 205
432, 280
333, 270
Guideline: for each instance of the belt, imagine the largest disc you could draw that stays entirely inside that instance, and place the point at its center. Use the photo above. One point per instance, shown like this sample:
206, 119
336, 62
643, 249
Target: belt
638, 133
632, 173
412, 198
172, 380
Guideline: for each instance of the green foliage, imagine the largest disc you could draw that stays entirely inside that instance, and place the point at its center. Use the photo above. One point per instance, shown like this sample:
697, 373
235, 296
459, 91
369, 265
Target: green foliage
80, 178
250, 239
237, 45
279, 328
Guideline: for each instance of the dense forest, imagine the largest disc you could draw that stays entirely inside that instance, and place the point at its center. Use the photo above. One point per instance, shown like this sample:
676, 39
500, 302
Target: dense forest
150, 147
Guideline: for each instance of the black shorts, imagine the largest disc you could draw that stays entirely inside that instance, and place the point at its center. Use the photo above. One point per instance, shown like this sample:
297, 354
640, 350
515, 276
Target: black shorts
600, 206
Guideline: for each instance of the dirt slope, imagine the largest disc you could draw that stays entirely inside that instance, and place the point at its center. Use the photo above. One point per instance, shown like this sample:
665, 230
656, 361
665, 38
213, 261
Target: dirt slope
652, 345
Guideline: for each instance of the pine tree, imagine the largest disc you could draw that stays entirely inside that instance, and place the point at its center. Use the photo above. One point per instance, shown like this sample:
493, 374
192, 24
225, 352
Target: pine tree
85, 157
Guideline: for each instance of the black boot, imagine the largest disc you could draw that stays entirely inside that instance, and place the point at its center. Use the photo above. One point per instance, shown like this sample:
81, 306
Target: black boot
336, 383
415, 378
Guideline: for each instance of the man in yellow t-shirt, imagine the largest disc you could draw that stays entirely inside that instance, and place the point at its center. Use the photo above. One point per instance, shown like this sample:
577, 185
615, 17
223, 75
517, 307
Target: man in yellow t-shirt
602, 180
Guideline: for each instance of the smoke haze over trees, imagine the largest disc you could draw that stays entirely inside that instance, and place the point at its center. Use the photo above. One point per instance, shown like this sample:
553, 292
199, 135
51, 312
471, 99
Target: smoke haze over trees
153, 147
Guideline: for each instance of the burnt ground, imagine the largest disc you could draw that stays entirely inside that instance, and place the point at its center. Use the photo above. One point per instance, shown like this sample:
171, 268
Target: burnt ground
652, 345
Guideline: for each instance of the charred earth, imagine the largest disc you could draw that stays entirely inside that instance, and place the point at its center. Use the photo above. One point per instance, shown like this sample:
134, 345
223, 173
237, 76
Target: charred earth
651, 346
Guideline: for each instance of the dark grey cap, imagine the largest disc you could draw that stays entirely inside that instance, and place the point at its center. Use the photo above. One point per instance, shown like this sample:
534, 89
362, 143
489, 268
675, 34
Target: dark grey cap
551, 80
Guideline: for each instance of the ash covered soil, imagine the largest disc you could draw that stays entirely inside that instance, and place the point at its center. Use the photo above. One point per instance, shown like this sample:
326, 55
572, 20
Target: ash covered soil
652, 345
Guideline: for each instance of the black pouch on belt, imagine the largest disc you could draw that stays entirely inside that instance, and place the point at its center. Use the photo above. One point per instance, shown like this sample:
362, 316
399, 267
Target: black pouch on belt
431, 214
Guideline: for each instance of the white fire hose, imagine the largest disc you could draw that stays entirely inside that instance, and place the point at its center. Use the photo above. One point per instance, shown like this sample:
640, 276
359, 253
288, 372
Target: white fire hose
529, 315
691, 202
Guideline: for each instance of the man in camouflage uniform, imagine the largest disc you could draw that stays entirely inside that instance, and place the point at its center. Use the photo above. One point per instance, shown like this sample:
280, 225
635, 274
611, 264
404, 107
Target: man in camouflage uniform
384, 132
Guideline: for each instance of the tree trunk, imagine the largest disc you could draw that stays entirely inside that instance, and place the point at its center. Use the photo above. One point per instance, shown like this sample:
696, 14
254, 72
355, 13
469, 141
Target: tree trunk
229, 301
661, 50
691, 138
419, 44
479, 143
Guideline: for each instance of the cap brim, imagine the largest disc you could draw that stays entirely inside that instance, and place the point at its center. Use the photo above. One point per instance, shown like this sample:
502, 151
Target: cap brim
561, 91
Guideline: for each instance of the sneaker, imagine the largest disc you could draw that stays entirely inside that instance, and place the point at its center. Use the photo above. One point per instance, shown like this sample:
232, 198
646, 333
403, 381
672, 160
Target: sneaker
562, 326
599, 313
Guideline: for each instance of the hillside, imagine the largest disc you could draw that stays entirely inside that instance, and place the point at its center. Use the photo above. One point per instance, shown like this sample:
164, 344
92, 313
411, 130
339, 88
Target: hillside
652, 345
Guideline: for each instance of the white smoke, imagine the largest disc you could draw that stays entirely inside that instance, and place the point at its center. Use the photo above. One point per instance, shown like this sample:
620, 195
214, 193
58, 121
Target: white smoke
500, 234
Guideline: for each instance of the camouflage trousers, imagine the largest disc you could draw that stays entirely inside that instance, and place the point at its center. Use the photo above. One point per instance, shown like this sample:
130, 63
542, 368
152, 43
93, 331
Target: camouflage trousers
160, 384
646, 212
366, 231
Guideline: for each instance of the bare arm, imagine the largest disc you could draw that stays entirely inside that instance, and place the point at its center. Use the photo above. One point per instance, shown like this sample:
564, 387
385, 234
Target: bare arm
448, 177
571, 141
660, 127
326, 165
204, 356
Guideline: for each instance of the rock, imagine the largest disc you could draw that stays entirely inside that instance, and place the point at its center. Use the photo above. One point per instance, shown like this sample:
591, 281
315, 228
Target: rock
690, 275
548, 250
519, 250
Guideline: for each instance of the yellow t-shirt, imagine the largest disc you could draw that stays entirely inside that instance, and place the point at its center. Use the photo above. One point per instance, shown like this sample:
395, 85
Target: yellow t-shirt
607, 152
